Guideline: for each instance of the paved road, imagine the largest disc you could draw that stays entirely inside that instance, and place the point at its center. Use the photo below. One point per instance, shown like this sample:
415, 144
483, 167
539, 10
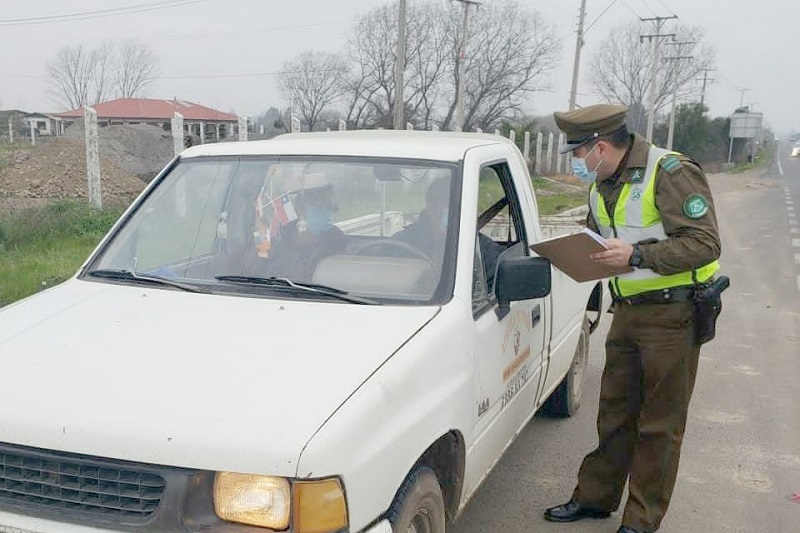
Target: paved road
741, 456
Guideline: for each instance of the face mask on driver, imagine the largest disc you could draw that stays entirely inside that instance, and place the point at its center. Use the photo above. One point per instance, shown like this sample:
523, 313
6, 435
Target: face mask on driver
318, 218
581, 170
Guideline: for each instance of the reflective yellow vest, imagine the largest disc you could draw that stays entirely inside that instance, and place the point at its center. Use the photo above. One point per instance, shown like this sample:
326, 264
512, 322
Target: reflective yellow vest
636, 218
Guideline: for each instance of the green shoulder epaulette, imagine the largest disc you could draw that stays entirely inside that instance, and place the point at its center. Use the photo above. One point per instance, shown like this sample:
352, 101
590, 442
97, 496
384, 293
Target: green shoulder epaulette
671, 163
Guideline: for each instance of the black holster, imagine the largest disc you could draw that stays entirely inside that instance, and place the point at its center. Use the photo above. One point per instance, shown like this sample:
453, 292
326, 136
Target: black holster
707, 307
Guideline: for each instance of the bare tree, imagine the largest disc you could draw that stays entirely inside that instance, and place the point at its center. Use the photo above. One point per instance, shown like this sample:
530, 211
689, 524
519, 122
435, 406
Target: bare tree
359, 92
135, 68
372, 97
622, 67
510, 51
71, 74
312, 82
81, 77
375, 60
428, 63
102, 60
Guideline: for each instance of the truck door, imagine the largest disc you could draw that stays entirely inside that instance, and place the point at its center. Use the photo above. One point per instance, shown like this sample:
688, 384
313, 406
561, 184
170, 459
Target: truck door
509, 349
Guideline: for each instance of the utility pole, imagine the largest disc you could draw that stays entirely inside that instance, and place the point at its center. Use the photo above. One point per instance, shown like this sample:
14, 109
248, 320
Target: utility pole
400, 67
676, 81
656, 39
578, 45
462, 60
705, 80
741, 100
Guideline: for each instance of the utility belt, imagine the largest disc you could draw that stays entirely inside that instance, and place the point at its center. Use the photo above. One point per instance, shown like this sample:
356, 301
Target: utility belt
662, 296
707, 298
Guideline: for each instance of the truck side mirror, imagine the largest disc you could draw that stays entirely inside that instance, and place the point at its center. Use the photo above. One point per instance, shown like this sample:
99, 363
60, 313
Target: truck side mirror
521, 278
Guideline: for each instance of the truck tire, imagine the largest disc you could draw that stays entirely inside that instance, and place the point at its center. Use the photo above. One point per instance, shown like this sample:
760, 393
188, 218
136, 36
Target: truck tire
419, 504
566, 399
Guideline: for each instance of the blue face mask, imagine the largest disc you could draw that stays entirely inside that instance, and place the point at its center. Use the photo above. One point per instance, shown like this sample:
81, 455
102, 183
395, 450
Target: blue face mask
318, 218
582, 171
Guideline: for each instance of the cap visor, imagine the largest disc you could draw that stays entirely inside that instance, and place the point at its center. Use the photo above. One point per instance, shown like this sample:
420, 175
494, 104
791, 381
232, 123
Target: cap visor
570, 147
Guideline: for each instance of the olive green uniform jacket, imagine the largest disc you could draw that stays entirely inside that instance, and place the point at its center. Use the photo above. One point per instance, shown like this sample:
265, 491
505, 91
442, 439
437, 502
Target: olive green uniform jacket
692, 242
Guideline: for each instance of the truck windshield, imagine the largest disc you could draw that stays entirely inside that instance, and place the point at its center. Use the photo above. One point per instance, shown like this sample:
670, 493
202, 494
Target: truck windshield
376, 229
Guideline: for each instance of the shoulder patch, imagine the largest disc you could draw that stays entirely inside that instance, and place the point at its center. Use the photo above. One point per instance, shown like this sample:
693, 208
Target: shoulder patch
695, 206
670, 163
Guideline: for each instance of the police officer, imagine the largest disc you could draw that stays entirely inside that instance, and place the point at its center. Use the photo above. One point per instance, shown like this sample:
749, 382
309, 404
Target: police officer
655, 209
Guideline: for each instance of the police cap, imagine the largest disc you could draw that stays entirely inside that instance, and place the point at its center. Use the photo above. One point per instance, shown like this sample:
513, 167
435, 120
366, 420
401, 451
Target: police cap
583, 125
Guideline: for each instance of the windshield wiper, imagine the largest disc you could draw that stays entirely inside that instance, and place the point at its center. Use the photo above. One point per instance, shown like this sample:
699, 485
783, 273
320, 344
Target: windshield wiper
296, 286
128, 275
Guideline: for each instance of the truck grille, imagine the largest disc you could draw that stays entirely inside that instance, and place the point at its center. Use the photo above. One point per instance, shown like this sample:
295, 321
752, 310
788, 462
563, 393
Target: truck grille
77, 484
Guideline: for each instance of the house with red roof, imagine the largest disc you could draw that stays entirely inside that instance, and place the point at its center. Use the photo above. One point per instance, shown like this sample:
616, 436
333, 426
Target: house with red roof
202, 122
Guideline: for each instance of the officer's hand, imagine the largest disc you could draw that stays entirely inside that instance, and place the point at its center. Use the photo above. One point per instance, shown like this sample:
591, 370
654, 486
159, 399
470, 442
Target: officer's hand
618, 253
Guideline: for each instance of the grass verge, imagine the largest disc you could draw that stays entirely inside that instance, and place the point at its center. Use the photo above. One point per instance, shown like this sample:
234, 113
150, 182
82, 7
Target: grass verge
45, 245
558, 193
25, 270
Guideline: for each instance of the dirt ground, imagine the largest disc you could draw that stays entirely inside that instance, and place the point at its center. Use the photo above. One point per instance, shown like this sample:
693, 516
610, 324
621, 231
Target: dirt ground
58, 170
130, 156
724, 182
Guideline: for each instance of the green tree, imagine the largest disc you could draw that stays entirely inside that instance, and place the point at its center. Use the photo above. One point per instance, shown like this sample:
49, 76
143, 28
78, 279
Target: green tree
691, 130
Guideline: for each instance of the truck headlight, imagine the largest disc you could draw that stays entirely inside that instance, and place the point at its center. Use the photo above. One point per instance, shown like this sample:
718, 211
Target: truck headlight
254, 500
314, 506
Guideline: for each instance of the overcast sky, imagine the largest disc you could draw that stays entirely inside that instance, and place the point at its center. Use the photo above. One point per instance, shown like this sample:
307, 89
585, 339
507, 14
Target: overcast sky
224, 53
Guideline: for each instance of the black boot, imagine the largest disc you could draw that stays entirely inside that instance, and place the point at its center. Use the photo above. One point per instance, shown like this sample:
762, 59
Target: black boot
572, 511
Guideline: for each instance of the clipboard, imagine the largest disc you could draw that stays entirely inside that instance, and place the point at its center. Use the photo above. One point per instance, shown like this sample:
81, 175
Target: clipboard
570, 254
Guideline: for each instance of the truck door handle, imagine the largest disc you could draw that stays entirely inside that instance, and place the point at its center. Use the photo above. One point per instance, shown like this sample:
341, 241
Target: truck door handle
536, 314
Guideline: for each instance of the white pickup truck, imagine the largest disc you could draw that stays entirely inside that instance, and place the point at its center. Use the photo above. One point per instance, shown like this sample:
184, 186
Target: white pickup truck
317, 333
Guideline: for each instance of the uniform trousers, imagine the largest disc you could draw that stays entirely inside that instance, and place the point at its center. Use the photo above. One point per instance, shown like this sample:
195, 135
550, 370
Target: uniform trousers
649, 375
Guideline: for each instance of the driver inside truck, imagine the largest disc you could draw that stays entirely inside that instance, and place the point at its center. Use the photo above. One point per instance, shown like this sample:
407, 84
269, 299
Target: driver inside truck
301, 230
428, 232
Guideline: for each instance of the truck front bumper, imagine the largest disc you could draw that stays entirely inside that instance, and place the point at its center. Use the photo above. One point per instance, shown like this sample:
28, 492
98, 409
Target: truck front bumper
26, 524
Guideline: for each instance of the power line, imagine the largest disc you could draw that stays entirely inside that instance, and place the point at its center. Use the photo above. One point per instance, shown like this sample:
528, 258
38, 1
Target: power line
609, 6
648, 8
626, 4
98, 13
667, 8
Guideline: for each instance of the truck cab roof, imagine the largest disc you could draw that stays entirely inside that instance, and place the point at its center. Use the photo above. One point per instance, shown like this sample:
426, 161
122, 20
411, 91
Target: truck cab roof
428, 145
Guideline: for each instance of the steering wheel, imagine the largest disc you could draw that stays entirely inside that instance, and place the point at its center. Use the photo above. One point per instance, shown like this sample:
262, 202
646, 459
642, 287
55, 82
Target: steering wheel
401, 249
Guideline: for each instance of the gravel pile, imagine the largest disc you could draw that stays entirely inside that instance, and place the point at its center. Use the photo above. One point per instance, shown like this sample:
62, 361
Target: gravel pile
141, 149
57, 169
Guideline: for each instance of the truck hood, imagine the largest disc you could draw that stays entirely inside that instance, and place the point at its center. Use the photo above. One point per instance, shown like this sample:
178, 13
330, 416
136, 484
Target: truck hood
192, 380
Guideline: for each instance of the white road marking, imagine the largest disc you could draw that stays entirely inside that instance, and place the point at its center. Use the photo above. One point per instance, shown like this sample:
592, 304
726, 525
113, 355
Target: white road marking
798, 283
789, 208
794, 230
796, 243
797, 258
780, 167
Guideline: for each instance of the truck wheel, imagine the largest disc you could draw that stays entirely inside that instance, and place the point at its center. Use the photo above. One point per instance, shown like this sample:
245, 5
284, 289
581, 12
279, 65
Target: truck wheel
566, 399
419, 505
